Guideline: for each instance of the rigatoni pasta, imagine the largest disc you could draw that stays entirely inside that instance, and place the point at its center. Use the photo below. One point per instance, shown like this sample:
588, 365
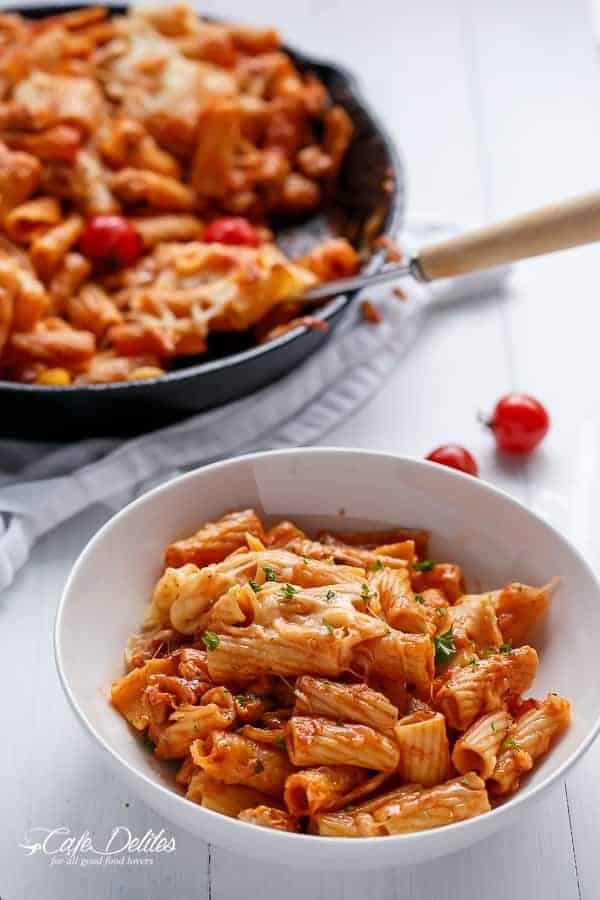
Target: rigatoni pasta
344, 686
162, 148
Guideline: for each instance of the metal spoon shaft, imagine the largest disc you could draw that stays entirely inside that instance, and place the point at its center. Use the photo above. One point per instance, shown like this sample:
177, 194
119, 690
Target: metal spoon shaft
355, 283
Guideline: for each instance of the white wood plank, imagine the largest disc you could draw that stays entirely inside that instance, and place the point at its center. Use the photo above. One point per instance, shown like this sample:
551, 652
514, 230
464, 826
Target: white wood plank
52, 777
520, 863
543, 139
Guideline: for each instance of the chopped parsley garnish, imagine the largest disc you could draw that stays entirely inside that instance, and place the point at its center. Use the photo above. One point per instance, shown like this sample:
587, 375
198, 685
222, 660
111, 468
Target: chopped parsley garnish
505, 648
444, 646
419, 598
280, 742
425, 565
474, 662
365, 593
269, 573
489, 651
259, 766
241, 699
330, 594
288, 591
329, 627
441, 610
493, 726
377, 566
210, 640
510, 744
465, 783
256, 587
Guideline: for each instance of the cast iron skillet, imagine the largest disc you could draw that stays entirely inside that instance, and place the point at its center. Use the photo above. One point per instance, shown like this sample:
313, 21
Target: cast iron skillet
233, 367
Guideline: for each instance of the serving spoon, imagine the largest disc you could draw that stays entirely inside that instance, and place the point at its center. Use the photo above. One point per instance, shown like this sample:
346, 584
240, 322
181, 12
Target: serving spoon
569, 223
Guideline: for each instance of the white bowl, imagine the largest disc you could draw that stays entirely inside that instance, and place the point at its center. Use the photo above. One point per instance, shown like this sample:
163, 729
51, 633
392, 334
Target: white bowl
495, 538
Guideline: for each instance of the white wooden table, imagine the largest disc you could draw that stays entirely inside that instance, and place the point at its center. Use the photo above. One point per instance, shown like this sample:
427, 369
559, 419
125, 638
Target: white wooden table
496, 106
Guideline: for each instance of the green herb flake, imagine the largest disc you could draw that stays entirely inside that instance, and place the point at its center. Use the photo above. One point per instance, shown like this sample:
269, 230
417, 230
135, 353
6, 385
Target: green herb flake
489, 651
510, 744
256, 587
419, 598
441, 610
474, 662
269, 573
241, 699
426, 565
377, 566
365, 593
259, 766
210, 640
444, 646
493, 726
280, 742
505, 648
288, 591
465, 783
330, 594
329, 627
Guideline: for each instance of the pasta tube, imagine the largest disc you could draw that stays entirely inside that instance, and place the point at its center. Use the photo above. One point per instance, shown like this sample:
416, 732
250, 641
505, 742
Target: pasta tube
528, 739
215, 540
235, 759
518, 607
423, 745
323, 787
398, 603
269, 818
477, 749
317, 742
188, 723
346, 702
474, 619
410, 809
127, 692
227, 799
404, 657
48, 251
473, 690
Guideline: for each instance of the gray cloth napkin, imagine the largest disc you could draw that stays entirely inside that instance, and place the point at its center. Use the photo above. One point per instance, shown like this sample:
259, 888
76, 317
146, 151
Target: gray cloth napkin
42, 485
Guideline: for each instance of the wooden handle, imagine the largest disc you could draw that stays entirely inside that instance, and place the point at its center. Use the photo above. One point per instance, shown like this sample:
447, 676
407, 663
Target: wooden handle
556, 227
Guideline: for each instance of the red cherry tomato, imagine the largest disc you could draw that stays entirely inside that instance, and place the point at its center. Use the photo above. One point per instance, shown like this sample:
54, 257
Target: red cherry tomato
454, 456
110, 240
231, 230
519, 423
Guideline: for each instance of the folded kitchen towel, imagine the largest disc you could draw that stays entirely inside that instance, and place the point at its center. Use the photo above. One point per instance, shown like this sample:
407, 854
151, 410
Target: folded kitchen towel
42, 485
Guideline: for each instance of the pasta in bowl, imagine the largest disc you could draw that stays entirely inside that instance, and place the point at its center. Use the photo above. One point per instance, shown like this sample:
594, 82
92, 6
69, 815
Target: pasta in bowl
328, 675
343, 685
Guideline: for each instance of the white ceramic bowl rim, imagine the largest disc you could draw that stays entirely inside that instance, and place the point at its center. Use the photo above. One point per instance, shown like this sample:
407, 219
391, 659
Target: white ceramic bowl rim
520, 797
